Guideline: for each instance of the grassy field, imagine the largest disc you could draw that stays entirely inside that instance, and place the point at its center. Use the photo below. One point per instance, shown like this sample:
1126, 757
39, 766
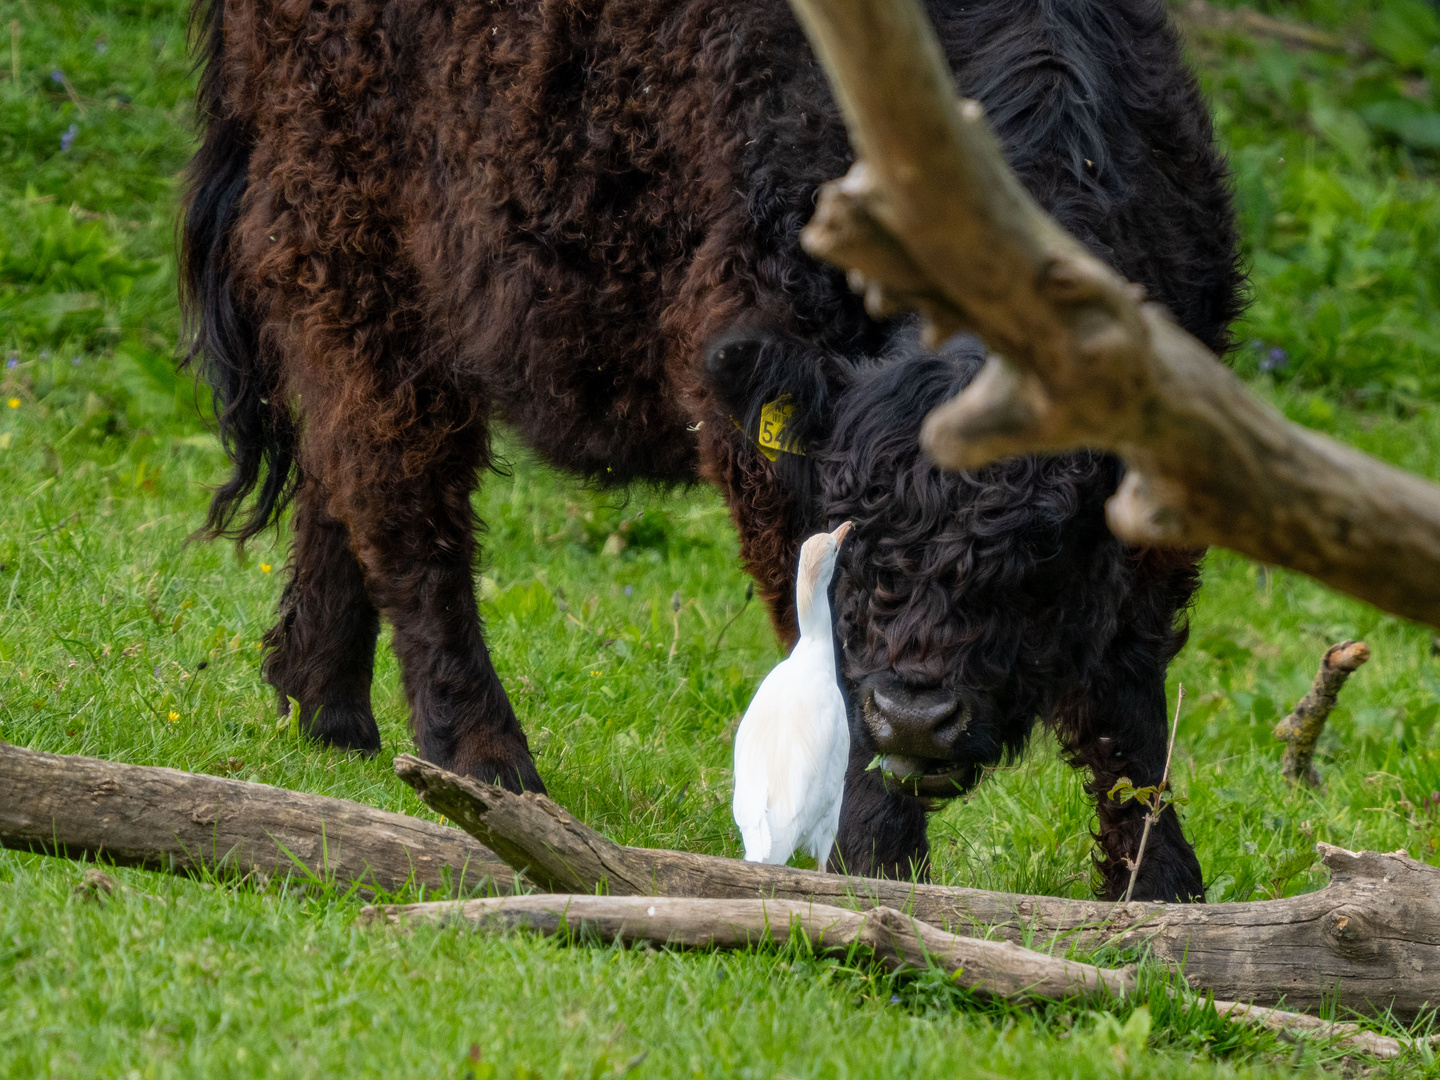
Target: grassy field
119, 640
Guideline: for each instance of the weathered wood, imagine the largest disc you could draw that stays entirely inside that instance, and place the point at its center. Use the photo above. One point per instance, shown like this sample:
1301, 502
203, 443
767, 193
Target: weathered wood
993, 968
1301, 1024
932, 218
165, 819
1301, 729
1370, 937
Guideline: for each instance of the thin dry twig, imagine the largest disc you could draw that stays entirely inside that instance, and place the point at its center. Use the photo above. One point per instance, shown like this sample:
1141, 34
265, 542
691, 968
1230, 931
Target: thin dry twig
675, 608
749, 595
1156, 802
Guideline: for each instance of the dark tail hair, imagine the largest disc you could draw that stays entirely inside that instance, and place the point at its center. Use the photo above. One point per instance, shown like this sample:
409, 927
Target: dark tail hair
256, 426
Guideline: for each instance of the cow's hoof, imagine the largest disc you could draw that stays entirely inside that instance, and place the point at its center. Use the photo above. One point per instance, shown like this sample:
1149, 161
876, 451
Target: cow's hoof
344, 726
516, 776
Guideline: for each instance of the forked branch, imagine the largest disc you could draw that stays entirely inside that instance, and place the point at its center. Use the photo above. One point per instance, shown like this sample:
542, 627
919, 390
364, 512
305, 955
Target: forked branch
931, 218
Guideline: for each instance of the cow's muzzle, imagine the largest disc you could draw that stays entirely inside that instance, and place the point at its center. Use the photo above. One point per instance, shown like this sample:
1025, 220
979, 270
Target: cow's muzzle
916, 732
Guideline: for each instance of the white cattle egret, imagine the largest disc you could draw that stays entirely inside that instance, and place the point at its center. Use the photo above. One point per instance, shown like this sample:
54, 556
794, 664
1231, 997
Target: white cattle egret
792, 747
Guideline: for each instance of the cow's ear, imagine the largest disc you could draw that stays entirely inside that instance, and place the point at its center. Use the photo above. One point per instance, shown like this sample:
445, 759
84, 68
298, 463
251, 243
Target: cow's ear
754, 364
734, 367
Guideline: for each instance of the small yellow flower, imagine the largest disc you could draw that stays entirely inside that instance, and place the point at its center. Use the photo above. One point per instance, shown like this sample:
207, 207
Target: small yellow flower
14, 403
595, 673
174, 716
264, 567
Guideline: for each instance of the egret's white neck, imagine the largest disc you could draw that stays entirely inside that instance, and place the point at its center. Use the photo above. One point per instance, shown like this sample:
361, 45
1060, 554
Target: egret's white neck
812, 612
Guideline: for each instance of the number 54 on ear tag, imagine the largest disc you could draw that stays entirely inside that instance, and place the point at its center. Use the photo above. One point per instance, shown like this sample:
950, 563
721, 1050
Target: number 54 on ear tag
773, 439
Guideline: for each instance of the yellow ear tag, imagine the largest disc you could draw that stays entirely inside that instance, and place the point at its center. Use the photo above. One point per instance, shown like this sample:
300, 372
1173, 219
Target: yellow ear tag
773, 440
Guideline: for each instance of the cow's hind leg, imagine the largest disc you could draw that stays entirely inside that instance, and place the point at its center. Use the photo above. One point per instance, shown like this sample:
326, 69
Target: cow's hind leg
406, 503
322, 651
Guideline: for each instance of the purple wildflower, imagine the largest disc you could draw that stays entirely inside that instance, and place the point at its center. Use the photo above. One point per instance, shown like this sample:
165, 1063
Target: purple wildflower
57, 77
68, 139
1275, 359
13, 360
75, 362
627, 590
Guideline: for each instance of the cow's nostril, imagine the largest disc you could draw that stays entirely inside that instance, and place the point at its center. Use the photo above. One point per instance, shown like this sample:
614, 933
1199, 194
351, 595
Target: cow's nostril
916, 723
927, 708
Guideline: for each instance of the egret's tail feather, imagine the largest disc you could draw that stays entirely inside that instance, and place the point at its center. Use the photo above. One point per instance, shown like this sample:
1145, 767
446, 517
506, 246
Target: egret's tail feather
757, 841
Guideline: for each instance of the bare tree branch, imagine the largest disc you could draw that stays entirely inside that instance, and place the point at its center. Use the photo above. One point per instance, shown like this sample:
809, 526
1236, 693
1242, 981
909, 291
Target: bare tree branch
931, 217
992, 968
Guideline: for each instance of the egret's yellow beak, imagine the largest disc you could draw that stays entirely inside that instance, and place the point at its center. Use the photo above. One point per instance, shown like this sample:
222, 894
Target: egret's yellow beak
842, 532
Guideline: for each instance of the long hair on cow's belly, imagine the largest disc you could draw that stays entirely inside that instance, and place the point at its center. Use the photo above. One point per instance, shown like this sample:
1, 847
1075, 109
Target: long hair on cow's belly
407, 221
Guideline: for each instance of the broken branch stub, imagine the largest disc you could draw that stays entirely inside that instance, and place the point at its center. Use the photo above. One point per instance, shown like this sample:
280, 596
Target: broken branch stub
1301, 729
1370, 939
931, 217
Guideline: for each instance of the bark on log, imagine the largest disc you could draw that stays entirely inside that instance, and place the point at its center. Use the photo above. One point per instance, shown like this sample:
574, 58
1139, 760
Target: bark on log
995, 969
165, 819
992, 968
1371, 937
1301, 729
932, 218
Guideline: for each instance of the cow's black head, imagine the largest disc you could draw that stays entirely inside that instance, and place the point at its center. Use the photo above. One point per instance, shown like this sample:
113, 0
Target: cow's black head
964, 603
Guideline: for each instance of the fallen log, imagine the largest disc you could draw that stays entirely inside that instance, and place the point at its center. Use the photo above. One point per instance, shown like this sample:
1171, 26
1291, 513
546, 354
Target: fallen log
990, 968
166, 819
931, 218
1301, 728
1370, 939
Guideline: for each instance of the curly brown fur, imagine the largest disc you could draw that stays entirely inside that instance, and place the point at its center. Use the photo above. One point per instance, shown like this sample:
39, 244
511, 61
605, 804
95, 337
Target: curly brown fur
409, 222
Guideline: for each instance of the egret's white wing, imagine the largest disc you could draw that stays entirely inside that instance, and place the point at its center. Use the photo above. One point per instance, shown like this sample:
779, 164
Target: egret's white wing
772, 764
830, 788
790, 736
820, 768
755, 766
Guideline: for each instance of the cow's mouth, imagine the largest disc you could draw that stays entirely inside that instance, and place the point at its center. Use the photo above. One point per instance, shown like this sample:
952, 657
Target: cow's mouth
917, 732
927, 778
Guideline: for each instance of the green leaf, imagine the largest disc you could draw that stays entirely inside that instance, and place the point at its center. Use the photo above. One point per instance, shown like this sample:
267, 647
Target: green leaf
1405, 31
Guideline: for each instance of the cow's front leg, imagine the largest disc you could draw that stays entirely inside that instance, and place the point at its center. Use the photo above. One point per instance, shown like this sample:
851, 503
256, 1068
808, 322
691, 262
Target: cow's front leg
882, 830
1117, 727
407, 506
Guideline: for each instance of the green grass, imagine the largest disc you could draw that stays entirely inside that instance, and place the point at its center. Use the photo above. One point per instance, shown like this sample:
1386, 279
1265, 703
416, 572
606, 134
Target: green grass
107, 614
